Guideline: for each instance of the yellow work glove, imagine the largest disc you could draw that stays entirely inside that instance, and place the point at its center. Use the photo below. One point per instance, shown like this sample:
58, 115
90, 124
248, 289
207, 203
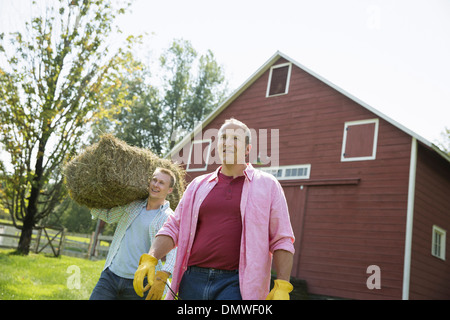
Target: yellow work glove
280, 290
147, 264
157, 290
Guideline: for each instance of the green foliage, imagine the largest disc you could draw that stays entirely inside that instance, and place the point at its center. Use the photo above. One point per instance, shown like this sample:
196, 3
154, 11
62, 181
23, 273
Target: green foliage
60, 80
189, 97
138, 122
76, 219
73, 217
158, 113
54, 80
206, 92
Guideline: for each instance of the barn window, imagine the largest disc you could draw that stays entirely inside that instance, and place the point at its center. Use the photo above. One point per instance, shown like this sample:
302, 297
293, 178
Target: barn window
279, 78
289, 172
199, 155
438, 242
360, 140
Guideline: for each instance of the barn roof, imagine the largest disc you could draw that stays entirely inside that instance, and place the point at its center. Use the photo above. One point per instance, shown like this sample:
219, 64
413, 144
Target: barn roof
263, 69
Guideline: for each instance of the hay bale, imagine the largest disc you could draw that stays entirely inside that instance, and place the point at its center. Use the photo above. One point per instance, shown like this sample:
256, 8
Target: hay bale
111, 173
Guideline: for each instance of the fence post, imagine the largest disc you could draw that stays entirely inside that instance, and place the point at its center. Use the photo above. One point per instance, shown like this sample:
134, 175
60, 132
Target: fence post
38, 240
94, 239
90, 246
61, 241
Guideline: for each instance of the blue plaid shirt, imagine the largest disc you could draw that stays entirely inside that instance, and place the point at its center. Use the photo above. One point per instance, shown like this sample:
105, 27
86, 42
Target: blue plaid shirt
125, 215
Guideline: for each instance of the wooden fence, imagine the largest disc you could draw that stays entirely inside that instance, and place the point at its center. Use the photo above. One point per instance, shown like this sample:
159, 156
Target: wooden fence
58, 241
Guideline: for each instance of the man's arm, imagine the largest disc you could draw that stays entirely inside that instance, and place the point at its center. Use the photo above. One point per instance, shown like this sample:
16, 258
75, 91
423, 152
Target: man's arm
110, 215
161, 246
283, 261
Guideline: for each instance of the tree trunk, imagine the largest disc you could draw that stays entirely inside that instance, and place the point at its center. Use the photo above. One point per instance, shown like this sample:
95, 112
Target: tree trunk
25, 236
32, 207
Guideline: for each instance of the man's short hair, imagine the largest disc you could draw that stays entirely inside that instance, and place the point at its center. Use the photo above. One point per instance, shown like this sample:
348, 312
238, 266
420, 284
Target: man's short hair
173, 179
248, 134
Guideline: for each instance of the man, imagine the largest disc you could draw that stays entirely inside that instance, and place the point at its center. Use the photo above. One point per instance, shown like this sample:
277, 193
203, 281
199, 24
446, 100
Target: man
138, 224
226, 228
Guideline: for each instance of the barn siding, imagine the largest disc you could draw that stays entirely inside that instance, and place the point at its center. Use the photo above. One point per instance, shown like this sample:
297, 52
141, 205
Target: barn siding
340, 229
430, 276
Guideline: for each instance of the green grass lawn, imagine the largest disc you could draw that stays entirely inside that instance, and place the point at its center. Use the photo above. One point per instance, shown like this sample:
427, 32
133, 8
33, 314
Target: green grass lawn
44, 277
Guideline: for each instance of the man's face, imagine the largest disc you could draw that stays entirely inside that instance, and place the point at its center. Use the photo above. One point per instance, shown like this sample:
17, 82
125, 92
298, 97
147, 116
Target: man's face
231, 144
159, 186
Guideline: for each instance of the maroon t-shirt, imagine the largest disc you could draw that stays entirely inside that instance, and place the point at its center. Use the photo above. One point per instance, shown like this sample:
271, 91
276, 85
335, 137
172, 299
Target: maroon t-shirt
218, 235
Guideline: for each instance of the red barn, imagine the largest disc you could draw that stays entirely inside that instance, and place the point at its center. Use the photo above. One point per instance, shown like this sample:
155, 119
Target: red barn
369, 199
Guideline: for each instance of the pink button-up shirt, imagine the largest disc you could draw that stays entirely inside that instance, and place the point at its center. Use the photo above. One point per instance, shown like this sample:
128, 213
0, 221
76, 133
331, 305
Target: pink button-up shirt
265, 228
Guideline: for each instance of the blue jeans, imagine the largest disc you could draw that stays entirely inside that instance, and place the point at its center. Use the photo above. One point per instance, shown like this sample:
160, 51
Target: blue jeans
209, 284
112, 287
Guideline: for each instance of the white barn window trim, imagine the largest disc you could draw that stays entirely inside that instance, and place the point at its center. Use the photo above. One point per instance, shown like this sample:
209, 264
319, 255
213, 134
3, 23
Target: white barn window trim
283, 81
203, 153
292, 172
370, 149
438, 242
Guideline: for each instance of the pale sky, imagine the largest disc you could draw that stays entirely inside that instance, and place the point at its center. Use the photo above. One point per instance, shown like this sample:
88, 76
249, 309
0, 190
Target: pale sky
393, 55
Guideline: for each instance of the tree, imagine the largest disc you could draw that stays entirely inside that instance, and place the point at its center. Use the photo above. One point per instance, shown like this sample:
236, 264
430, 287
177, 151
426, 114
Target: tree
177, 64
76, 218
189, 88
189, 95
207, 91
139, 123
52, 85
444, 143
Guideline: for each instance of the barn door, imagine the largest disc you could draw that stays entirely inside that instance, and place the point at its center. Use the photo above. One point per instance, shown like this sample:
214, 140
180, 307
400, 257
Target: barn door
296, 197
